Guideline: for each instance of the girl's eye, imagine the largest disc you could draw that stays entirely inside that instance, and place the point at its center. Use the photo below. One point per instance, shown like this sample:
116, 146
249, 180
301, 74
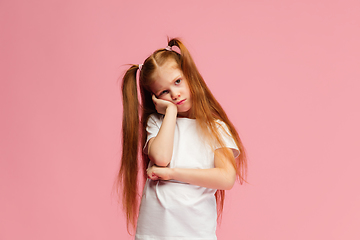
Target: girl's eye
177, 81
163, 92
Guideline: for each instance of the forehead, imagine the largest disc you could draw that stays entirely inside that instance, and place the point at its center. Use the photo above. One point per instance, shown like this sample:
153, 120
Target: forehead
165, 75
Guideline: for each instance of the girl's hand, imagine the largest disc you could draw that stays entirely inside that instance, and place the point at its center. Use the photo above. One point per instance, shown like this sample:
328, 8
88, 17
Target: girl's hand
162, 105
158, 173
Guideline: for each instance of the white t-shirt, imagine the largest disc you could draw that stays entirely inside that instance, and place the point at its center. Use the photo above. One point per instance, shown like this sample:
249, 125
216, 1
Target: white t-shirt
172, 210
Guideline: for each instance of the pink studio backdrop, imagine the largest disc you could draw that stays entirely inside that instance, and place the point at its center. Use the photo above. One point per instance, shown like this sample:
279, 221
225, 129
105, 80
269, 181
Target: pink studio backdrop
287, 72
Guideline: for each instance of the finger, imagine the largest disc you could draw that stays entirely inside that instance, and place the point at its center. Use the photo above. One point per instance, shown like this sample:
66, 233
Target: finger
154, 98
153, 177
149, 173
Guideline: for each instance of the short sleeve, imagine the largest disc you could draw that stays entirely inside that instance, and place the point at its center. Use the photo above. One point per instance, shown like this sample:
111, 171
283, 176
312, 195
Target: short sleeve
152, 129
227, 138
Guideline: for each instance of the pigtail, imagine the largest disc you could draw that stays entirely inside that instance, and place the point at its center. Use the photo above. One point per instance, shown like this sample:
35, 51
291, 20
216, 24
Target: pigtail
127, 177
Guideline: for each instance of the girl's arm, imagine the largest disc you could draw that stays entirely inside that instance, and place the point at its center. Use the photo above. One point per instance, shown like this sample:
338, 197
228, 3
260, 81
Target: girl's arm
160, 148
222, 176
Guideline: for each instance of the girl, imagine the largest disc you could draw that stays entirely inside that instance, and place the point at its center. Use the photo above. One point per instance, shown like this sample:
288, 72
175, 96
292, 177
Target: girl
191, 151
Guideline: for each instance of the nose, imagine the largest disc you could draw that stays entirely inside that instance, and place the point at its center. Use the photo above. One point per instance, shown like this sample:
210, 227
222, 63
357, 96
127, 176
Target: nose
175, 96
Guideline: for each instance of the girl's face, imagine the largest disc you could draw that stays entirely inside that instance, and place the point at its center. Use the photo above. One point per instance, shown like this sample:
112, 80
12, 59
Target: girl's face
170, 85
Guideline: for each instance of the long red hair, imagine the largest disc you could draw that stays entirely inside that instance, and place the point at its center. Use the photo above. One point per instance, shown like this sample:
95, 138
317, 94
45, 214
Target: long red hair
205, 109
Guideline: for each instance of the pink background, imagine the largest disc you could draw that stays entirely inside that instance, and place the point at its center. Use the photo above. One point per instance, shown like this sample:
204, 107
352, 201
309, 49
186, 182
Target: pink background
287, 72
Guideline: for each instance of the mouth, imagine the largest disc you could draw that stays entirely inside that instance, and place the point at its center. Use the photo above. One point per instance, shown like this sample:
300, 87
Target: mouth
181, 102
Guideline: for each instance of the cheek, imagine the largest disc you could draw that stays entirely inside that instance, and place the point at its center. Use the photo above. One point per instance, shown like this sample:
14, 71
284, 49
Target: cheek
188, 93
187, 90
166, 97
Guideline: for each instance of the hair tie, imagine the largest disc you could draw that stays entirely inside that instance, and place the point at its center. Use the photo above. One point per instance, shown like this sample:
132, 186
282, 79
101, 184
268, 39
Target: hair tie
168, 48
140, 66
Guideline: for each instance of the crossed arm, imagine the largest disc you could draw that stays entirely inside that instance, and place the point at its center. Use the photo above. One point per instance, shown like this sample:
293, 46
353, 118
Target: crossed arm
160, 149
222, 176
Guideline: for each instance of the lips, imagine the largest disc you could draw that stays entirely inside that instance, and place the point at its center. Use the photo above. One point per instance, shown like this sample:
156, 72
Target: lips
180, 102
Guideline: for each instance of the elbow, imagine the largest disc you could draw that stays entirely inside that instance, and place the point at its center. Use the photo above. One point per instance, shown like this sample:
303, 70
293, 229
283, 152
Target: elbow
228, 185
160, 161
229, 181
158, 157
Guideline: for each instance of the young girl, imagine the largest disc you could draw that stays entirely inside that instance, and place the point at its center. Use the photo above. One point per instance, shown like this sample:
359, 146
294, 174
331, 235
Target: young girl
191, 151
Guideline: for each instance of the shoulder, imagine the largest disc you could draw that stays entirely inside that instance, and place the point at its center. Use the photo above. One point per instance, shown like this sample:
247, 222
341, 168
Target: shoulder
220, 122
227, 137
222, 126
155, 119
